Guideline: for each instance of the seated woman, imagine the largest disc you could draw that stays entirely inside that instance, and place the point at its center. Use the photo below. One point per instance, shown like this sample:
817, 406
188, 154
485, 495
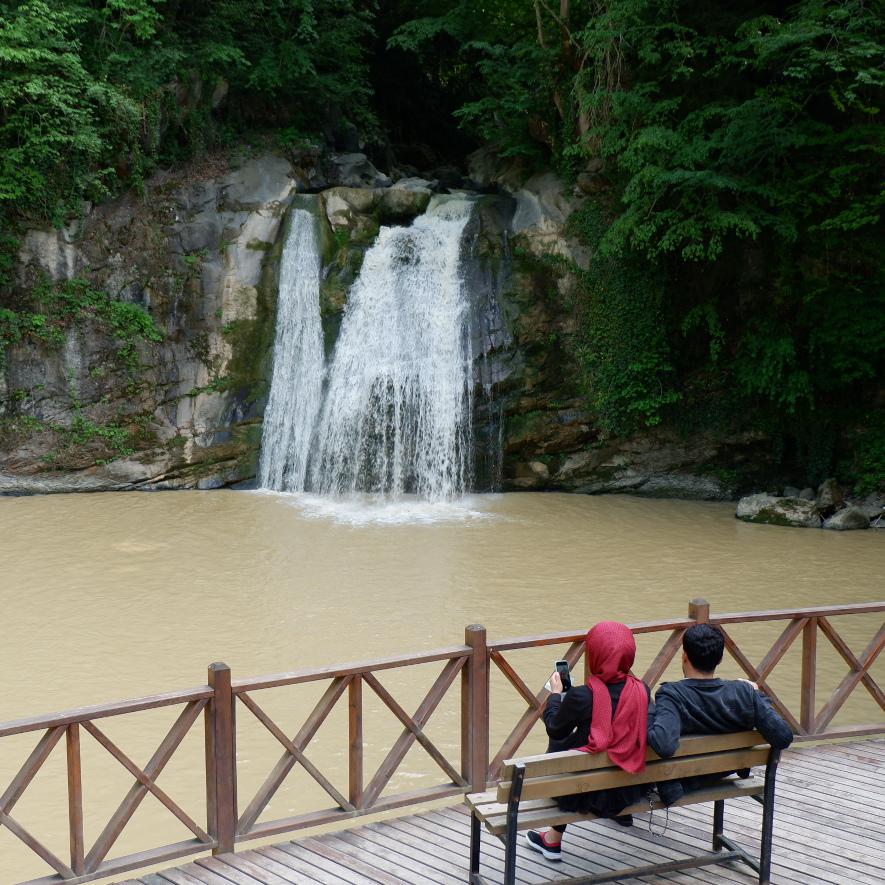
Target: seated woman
609, 713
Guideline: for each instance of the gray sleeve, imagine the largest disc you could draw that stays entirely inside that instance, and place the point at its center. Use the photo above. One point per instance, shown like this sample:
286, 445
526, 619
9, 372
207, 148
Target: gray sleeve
664, 725
769, 723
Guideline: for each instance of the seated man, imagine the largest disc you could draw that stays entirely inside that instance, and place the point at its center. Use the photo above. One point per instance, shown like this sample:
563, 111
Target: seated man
704, 704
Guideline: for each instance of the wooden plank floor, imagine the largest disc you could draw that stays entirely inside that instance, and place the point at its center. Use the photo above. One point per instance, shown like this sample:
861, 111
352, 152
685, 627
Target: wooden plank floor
829, 828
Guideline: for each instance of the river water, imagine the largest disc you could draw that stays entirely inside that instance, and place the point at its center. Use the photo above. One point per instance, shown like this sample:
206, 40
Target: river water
114, 596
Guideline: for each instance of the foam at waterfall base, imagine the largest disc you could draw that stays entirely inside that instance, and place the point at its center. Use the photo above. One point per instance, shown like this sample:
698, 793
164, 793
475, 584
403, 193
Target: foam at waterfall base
369, 509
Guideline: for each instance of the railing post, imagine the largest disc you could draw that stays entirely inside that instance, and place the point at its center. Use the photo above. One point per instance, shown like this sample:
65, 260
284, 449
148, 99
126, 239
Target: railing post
75, 798
809, 673
699, 611
221, 760
355, 752
475, 710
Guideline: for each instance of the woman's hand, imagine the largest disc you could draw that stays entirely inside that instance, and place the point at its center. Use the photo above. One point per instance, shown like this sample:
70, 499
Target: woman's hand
556, 683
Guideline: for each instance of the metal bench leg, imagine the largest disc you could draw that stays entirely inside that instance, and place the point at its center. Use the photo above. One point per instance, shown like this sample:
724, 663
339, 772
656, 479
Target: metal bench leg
474, 844
718, 823
768, 818
512, 816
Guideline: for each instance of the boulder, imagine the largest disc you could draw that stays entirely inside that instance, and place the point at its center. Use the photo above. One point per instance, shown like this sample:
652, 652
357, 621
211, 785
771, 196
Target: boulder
416, 184
807, 494
355, 170
543, 204
792, 492
778, 511
872, 505
829, 496
342, 204
846, 519
398, 204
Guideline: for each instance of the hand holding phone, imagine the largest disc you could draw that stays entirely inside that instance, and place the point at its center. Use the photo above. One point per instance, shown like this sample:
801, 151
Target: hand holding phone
565, 678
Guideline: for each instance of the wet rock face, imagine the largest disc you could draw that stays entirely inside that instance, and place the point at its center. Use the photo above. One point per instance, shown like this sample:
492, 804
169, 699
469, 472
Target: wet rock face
197, 253
200, 252
549, 439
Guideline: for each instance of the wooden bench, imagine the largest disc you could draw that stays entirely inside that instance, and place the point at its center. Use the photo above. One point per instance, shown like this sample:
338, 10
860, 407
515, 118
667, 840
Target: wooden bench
524, 798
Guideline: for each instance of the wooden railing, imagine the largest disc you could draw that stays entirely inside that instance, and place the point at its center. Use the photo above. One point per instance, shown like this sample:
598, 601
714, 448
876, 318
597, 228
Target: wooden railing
84, 864
808, 723
230, 821
364, 796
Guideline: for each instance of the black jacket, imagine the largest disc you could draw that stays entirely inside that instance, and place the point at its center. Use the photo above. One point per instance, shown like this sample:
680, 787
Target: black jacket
567, 718
709, 706
712, 706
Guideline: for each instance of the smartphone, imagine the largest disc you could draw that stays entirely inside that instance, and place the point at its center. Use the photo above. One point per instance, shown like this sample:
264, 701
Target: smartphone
565, 675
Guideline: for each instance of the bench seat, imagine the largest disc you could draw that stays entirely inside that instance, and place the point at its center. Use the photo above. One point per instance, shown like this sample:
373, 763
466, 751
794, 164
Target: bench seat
524, 798
545, 812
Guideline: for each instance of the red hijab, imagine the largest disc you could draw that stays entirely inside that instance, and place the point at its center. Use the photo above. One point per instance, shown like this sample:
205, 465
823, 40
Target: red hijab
611, 650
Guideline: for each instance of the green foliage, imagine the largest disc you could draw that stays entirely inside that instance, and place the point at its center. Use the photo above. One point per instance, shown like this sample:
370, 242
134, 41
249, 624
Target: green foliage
94, 92
113, 439
60, 123
869, 457
53, 308
621, 346
741, 146
499, 62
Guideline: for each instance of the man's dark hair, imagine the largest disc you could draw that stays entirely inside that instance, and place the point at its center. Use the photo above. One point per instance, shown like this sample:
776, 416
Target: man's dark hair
704, 644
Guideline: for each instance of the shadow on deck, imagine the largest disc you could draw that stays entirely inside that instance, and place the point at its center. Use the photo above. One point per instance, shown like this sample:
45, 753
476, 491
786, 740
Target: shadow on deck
829, 828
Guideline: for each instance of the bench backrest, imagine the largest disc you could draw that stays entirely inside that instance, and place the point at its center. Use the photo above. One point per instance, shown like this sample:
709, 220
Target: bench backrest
571, 771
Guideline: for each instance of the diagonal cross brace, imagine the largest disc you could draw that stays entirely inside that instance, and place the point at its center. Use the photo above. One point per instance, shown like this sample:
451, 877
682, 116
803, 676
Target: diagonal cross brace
516, 680
757, 677
285, 764
407, 738
295, 751
415, 728
16, 788
138, 790
147, 782
860, 668
781, 646
38, 848
29, 769
531, 716
664, 656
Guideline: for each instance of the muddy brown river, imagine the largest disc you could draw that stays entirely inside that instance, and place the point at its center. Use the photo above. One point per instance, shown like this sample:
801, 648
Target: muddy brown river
112, 596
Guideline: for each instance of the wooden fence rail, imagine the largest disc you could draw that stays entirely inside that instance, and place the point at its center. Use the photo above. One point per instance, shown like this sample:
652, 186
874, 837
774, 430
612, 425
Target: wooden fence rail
224, 701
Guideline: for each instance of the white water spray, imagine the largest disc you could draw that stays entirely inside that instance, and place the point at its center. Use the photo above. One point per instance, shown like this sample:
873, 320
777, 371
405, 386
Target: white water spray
297, 384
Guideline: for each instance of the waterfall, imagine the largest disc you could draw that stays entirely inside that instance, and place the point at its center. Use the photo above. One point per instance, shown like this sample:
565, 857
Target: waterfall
297, 382
395, 416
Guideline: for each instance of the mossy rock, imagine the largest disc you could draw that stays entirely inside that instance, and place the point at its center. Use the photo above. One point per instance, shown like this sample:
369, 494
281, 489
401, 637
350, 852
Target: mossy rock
772, 510
399, 206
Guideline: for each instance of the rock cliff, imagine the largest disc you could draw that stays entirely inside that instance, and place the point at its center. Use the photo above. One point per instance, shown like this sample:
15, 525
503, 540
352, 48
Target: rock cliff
199, 252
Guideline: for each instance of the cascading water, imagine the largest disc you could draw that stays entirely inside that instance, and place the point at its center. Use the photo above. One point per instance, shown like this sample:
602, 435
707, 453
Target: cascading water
297, 384
396, 414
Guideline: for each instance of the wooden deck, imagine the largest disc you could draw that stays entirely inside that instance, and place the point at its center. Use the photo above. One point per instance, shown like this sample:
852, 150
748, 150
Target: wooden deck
829, 828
